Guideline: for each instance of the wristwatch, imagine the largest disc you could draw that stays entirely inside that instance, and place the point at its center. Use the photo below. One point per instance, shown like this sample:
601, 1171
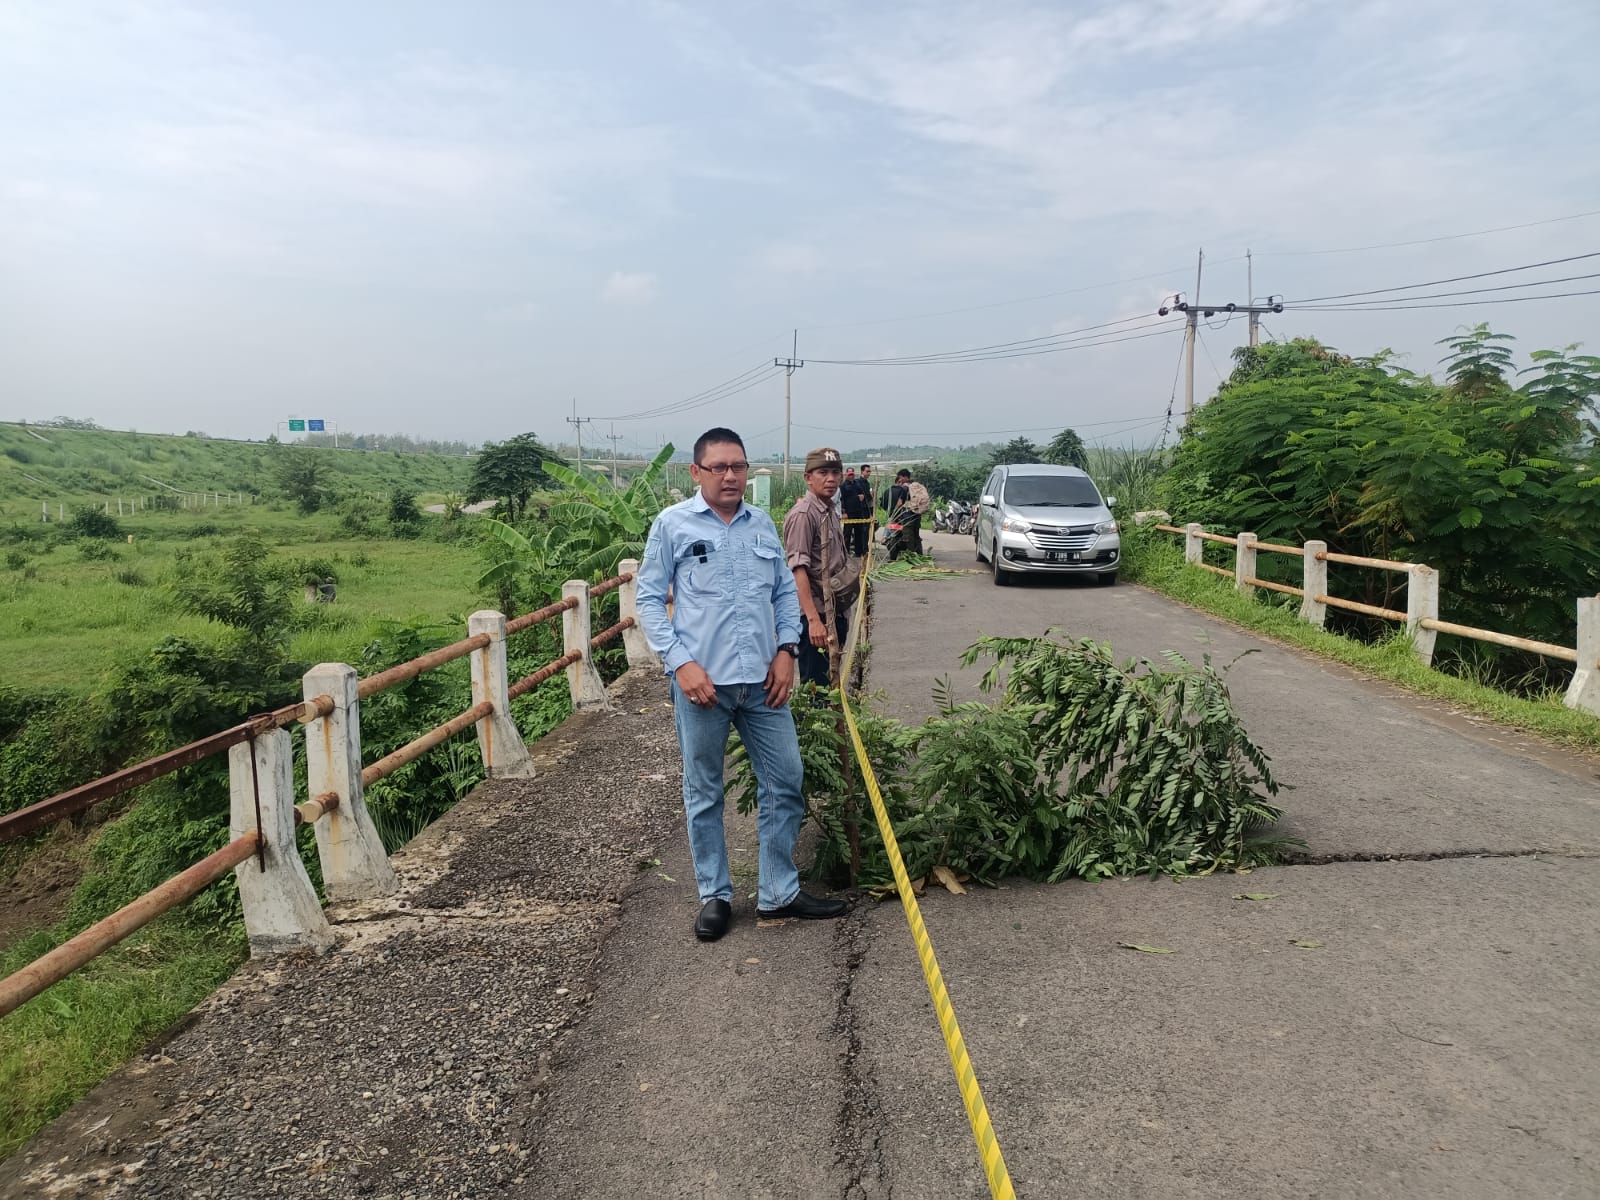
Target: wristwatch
792, 649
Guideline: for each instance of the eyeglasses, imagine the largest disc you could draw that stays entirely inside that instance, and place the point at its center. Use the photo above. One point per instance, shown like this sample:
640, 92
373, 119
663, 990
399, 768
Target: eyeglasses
737, 468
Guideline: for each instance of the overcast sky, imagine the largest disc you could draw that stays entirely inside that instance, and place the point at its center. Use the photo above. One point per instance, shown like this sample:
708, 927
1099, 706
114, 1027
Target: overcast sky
454, 220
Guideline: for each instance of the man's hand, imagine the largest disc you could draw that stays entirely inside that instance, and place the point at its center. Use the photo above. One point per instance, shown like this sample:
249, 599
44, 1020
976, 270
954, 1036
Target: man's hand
817, 632
694, 683
780, 680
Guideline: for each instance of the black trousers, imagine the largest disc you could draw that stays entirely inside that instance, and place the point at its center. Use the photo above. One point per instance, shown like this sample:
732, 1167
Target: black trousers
814, 659
855, 536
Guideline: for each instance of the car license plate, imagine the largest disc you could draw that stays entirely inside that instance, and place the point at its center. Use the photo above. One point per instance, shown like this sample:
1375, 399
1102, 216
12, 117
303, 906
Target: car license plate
1063, 556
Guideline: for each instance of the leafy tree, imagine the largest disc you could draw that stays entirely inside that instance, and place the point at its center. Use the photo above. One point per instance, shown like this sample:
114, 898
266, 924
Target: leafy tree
1492, 484
1067, 449
510, 472
244, 590
303, 477
589, 531
404, 515
1017, 450
92, 523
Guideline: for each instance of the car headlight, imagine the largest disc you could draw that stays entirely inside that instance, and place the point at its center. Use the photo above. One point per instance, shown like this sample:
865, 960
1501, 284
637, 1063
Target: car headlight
1015, 525
1106, 527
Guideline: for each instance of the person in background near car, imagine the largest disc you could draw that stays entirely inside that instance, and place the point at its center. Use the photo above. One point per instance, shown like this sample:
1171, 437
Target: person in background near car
730, 647
900, 502
857, 493
867, 503
813, 543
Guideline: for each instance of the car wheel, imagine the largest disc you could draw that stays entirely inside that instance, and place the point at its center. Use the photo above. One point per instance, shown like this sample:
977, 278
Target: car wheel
1002, 577
1106, 579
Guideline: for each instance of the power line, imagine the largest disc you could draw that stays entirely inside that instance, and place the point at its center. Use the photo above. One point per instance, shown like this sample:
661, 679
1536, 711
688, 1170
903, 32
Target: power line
1406, 287
728, 387
965, 356
1209, 359
1482, 291
1172, 400
1455, 304
1448, 237
915, 359
958, 432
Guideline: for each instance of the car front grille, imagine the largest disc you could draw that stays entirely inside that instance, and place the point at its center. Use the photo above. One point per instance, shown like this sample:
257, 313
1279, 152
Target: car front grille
1062, 537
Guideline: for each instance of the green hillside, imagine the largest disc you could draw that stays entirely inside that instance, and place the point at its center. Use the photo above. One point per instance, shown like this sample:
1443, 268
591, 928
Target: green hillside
88, 467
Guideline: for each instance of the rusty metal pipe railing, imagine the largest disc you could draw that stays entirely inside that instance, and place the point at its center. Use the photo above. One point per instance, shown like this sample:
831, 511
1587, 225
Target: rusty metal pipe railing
373, 684
608, 585
1371, 610
526, 620
18, 989
1216, 537
390, 763
1223, 571
1275, 548
607, 635
75, 800
1169, 528
550, 669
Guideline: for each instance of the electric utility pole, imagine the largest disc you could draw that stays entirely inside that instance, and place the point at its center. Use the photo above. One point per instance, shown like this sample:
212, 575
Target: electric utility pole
790, 365
1193, 310
577, 424
614, 437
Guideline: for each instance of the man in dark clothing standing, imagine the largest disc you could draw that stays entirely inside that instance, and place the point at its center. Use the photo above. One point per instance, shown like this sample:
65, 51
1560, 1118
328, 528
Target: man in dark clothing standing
857, 493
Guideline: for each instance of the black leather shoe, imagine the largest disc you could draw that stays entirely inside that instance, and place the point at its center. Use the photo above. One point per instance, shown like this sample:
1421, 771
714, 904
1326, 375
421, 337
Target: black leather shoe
806, 907
713, 920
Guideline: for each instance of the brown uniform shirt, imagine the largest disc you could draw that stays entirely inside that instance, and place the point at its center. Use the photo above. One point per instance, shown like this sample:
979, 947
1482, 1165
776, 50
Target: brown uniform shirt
802, 542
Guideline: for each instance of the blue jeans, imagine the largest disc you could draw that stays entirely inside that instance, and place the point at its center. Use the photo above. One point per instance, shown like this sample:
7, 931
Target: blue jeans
769, 735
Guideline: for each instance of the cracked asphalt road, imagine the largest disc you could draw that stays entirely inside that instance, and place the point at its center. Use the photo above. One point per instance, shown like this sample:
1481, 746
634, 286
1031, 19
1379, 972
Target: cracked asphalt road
1433, 1034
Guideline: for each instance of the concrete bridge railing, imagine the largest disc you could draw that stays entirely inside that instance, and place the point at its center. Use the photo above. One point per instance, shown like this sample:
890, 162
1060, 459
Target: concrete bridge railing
281, 908
1421, 615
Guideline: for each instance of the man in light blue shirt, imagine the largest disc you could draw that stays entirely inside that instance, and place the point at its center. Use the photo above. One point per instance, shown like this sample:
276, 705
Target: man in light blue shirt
730, 647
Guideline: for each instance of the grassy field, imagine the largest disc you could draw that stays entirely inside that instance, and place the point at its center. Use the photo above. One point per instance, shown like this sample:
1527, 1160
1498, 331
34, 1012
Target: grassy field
79, 468
65, 620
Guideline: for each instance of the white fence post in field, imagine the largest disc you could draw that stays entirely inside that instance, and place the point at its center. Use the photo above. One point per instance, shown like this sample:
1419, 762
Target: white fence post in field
1314, 582
1193, 546
1244, 561
281, 909
1584, 691
633, 640
588, 691
505, 754
1422, 603
354, 863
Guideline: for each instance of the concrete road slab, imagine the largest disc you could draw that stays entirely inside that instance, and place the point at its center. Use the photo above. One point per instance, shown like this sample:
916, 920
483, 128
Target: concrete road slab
1367, 769
1439, 1040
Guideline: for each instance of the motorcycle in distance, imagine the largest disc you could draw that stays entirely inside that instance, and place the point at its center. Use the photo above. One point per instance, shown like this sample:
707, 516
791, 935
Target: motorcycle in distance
954, 517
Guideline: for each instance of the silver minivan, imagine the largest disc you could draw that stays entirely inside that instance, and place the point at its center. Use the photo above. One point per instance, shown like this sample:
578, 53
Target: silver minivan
1045, 519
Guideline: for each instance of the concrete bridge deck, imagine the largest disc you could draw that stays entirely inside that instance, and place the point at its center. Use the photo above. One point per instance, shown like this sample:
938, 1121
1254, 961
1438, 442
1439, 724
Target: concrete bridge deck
533, 1018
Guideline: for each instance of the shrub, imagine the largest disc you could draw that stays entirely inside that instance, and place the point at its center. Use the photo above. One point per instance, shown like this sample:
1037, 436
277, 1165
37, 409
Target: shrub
90, 523
92, 551
130, 577
16, 560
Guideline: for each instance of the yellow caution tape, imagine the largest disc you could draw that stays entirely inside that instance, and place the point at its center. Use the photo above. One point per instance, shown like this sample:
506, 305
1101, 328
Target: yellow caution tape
994, 1163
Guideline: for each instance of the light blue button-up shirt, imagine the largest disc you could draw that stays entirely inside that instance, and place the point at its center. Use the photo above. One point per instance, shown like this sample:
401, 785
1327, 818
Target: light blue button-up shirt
733, 595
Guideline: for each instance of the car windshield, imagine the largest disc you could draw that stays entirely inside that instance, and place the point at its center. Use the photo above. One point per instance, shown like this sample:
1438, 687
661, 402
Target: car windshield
1051, 491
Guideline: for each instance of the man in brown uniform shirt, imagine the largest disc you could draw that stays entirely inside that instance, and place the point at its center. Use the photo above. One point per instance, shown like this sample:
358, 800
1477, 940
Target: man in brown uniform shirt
813, 541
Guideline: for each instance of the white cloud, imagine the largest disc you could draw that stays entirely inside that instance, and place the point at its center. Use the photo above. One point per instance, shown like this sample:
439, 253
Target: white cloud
629, 287
789, 258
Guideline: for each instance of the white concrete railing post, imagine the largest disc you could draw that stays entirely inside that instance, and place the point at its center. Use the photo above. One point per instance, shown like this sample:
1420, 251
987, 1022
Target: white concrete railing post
633, 640
1422, 602
1244, 561
1314, 582
505, 754
1584, 691
1194, 546
354, 863
588, 691
281, 909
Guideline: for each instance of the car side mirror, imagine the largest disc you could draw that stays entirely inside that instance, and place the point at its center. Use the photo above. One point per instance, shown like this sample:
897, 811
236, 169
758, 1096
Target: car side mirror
1111, 501
986, 500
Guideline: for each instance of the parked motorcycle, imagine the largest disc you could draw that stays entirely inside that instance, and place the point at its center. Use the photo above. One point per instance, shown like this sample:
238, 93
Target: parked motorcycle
954, 517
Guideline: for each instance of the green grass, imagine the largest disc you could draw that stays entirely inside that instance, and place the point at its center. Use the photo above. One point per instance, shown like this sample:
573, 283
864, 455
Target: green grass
1159, 564
79, 467
66, 621
60, 1044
